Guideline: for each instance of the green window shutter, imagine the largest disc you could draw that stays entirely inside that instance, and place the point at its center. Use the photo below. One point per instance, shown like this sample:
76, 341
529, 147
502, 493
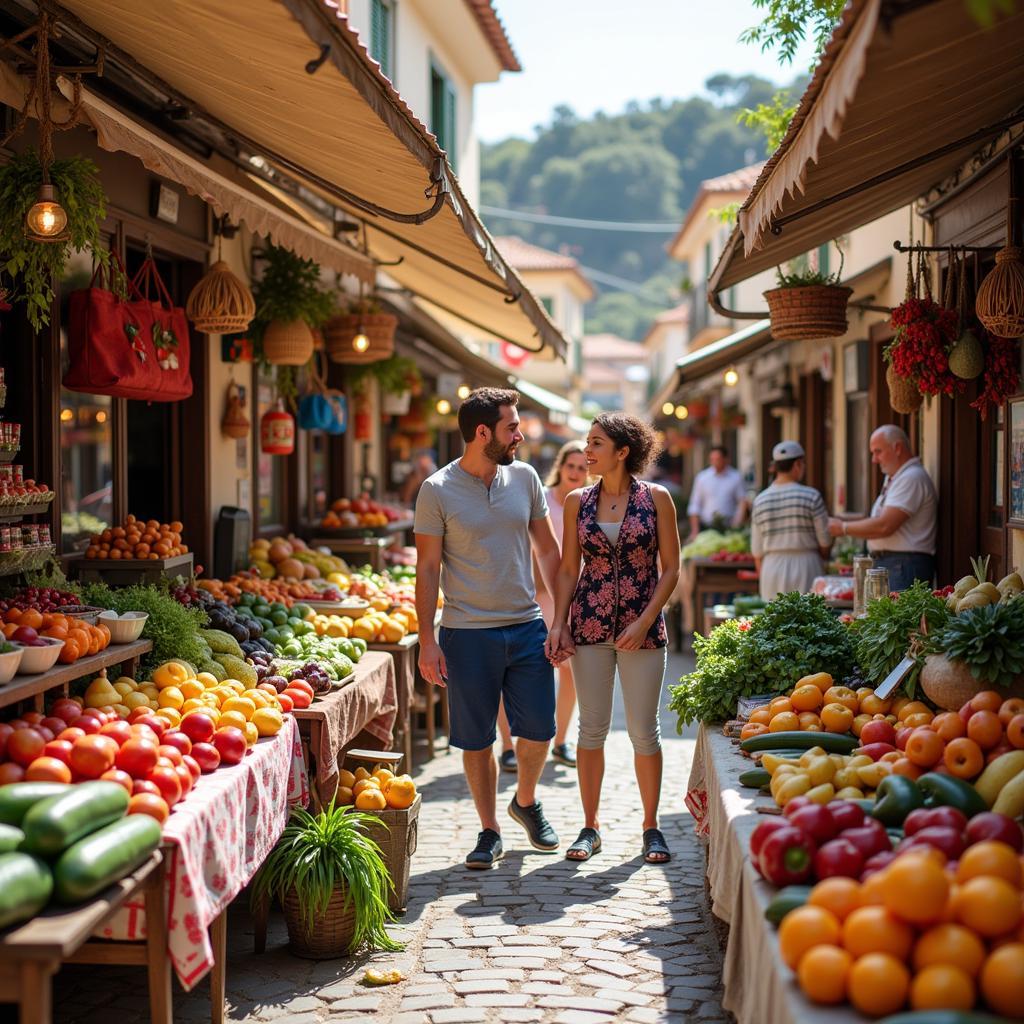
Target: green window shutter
380, 34
451, 145
824, 252
443, 114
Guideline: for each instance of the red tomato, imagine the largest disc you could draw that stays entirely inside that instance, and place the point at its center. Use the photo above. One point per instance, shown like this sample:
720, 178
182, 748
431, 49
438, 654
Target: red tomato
287, 704
176, 738
172, 753
25, 745
149, 803
143, 731
71, 733
192, 765
299, 698
120, 777
157, 724
11, 772
167, 781
119, 731
230, 744
136, 713
301, 684
89, 724
91, 756
145, 786
5, 730
67, 709
95, 713
206, 756
60, 749
138, 756
47, 769
47, 734
32, 717
54, 724
199, 728
185, 778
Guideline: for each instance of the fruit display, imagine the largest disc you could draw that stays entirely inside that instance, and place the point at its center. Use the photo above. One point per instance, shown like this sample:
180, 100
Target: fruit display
388, 589
375, 791
975, 590
136, 538
235, 589
32, 628
708, 543
362, 513
43, 599
290, 558
25, 494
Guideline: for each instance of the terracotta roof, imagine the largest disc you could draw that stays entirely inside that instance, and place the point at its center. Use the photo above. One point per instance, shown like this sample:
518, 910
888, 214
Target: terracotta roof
491, 26
612, 347
523, 256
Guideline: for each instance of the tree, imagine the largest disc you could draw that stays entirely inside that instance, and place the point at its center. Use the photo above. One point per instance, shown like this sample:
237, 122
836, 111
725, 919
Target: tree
788, 23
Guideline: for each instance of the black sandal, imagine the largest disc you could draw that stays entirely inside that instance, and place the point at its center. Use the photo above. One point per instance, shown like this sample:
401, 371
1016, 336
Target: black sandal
588, 842
656, 850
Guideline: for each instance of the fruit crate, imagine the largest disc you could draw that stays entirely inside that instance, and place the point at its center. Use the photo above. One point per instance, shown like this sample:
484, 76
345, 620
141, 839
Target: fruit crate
127, 572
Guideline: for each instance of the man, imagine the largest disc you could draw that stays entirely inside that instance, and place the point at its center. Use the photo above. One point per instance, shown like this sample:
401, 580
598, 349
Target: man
423, 466
475, 522
718, 495
789, 527
901, 529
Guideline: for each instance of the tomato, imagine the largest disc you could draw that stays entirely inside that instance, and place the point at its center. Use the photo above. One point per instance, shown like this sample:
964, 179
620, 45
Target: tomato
192, 765
11, 772
155, 722
88, 724
138, 757
66, 709
173, 754
120, 777
148, 803
287, 704
176, 738
167, 781
60, 749
301, 684
185, 778
299, 698
206, 756
199, 728
230, 744
91, 756
47, 769
5, 730
143, 731
71, 733
32, 717
140, 712
145, 786
120, 731
25, 745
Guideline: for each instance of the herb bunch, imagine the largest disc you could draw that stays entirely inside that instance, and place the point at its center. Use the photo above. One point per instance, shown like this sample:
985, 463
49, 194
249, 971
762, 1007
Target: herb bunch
989, 641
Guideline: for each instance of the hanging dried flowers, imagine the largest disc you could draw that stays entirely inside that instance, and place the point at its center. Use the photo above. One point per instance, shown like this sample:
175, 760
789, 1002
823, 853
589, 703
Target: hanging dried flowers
1001, 377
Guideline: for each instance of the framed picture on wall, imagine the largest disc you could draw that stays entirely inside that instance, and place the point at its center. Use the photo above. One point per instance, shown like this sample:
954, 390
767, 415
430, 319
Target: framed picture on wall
1015, 465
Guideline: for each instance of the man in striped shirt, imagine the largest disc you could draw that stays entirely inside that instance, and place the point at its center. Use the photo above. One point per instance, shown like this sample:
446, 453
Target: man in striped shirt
789, 527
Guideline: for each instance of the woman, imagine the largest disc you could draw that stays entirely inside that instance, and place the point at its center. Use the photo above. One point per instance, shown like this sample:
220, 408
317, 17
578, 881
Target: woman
622, 528
568, 472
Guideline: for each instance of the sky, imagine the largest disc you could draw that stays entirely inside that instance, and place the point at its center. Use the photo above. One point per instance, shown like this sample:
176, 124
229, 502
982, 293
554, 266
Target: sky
599, 54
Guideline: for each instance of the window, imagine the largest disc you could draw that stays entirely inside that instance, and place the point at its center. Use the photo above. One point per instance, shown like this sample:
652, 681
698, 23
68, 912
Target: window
382, 35
548, 303
442, 114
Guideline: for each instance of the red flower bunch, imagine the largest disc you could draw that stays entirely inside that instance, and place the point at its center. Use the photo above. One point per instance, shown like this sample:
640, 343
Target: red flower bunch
925, 334
1001, 376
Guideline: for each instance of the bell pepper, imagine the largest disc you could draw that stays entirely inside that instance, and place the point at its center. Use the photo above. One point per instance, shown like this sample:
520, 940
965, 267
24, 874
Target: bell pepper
930, 817
941, 790
820, 770
793, 785
787, 856
940, 837
760, 835
838, 859
895, 798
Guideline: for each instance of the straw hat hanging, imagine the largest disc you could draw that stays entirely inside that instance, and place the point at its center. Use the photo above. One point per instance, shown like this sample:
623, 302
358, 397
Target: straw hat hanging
220, 303
1000, 301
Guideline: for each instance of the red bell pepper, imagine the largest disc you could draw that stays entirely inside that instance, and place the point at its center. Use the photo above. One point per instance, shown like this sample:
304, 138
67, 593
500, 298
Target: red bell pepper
949, 840
991, 825
839, 858
787, 856
845, 813
930, 817
761, 834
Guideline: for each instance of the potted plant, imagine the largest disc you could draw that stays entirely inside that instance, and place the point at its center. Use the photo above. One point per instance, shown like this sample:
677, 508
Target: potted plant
34, 266
331, 881
361, 333
807, 303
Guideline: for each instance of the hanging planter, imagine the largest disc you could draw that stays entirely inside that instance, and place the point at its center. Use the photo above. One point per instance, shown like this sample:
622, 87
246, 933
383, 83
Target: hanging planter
364, 335
220, 303
904, 396
287, 343
396, 404
277, 431
235, 423
1000, 302
808, 304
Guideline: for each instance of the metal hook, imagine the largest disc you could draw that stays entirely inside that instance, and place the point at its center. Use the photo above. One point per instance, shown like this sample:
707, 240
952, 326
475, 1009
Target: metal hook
314, 65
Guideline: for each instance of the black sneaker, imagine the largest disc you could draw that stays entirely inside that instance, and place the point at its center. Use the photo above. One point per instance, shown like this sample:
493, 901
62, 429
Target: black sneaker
564, 753
508, 761
487, 851
538, 829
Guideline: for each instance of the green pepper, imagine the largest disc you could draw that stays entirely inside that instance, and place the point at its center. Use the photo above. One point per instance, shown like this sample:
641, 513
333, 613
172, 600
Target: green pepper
895, 798
948, 791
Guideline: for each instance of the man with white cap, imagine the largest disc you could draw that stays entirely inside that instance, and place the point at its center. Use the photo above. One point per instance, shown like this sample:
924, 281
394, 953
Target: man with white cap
789, 526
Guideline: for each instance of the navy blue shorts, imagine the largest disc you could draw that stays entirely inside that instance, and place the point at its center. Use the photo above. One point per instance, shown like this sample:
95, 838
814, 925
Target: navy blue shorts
485, 665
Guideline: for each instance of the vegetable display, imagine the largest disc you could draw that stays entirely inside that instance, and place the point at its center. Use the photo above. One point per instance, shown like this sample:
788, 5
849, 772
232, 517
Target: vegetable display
711, 542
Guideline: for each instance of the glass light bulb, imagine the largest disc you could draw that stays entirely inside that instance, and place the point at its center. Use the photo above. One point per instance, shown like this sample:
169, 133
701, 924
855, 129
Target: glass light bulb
360, 342
667, 409
463, 391
443, 406
66, 415
46, 218
681, 412
731, 378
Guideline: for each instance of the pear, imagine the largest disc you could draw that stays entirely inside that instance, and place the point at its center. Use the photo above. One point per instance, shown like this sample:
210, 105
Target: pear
988, 589
1011, 582
964, 584
973, 600
952, 601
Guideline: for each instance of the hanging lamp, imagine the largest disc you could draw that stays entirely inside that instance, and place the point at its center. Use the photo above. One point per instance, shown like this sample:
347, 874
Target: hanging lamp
220, 303
1000, 301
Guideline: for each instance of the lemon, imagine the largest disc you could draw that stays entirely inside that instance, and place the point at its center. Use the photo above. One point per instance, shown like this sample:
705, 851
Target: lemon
268, 721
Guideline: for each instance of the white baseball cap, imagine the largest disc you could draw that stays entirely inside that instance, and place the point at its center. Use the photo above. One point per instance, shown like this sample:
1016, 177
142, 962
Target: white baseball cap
785, 450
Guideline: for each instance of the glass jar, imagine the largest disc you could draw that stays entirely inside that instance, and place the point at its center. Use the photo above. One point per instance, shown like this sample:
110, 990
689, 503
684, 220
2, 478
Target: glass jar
861, 565
876, 585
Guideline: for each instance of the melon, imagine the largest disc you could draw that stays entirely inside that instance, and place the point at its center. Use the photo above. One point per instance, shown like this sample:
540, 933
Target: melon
279, 551
290, 567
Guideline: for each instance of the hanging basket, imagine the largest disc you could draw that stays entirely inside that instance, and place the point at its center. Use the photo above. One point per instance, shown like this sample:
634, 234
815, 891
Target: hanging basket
220, 303
1000, 301
287, 343
332, 932
904, 397
395, 404
379, 329
809, 311
235, 423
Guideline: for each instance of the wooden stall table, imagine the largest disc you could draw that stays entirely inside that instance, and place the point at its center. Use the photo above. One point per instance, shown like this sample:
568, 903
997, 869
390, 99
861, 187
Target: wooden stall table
368, 701
358, 550
406, 655
33, 952
711, 577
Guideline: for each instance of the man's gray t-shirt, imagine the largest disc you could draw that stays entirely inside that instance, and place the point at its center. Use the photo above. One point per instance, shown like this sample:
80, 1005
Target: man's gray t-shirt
486, 572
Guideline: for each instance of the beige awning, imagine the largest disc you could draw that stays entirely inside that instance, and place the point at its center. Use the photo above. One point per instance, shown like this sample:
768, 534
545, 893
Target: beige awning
251, 70
900, 100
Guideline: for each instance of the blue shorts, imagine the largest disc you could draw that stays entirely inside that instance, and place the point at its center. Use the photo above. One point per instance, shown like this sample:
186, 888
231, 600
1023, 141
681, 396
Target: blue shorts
485, 665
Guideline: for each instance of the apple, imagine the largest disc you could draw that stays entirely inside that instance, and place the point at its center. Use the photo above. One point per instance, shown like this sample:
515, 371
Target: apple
199, 728
230, 743
877, 731
25, 635
207, 756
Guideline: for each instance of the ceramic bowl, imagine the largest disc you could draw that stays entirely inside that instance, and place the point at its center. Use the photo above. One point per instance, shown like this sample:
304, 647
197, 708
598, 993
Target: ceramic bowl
40, 659
10, 662
124, 629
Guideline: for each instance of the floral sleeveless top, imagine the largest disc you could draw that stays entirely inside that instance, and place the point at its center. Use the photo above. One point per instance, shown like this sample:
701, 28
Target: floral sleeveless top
617, 581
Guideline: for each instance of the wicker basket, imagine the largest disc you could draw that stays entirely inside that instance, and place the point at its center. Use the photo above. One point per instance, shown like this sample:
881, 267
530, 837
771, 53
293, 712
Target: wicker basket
904, 396
332, 933
288, 343
1000, 301
379, 328
220, 303
397, 842
808, 311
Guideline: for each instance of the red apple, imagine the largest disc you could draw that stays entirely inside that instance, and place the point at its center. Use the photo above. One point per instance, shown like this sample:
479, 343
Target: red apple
206, 756
199, 728
902, 735
878, 731
230, 744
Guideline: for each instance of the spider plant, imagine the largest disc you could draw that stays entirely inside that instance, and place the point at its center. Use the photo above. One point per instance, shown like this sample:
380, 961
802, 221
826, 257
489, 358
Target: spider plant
317, 854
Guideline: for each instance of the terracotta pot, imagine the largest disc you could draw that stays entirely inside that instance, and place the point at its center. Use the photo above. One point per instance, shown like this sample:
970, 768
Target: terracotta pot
950, 685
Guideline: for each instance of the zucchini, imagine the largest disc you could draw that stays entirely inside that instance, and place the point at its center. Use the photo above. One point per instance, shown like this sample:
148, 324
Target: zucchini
832, 742
10, 838
56, 823
785, 900
102, 858
788, 753
943, 1017
25, 887
17, 797
755, 778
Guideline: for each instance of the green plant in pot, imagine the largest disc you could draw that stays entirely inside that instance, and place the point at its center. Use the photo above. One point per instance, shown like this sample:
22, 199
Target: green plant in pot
331, 881
808, 303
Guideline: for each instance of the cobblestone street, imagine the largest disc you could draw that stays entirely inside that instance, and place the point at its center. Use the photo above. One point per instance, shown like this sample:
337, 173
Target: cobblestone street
537, 938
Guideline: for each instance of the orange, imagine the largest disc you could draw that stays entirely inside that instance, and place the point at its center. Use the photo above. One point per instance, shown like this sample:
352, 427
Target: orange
1002, 979
31, 617
809, 721
762, 716
989, 906
778, 705
803, 928
362, 784
913, 707
784, 721
878, 984
986, 700
989, 858
842, 695
874, 929
836, 717
191, 688
950, 944
752, 729
822, 974
806, 698
871, 890
371, 799
874, 705
916, 889
942, 987
383, 776
840, 895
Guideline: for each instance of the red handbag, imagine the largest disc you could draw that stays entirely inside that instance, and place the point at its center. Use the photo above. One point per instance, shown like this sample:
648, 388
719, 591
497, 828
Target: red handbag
168, 335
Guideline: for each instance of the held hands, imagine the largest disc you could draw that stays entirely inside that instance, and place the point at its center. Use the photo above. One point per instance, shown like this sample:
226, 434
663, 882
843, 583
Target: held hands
432, 664
835, 527
559, 646
632, 637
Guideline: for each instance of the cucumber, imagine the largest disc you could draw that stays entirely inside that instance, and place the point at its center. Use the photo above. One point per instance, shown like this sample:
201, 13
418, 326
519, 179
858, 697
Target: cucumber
10, 838
787, 753
25, 887
54, 824
17, 797
785, 900
832, 742
943, 1017
755, 778
102, 858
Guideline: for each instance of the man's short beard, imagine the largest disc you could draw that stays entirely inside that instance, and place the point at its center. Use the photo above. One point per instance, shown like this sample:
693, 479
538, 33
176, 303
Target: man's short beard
499, 453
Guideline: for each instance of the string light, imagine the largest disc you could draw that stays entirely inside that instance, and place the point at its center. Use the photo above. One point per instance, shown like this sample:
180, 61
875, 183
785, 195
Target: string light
360, 342
667, 409
463, 392
46, 219
681, 412
444, 407
101, 417
731, 377
66, 415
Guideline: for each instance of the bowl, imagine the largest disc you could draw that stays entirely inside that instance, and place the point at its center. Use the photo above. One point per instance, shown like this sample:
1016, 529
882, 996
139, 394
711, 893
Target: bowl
40, 659
9, 663
124, 629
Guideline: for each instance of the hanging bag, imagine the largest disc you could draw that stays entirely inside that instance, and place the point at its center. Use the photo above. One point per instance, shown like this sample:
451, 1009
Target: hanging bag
168, 335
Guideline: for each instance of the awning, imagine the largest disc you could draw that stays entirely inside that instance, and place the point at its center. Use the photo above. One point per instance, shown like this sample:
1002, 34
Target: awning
903, 95
544, 398
289, 81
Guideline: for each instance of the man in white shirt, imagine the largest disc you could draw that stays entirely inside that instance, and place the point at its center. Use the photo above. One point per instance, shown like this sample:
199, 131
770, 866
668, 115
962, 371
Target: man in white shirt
719, 497
901, 529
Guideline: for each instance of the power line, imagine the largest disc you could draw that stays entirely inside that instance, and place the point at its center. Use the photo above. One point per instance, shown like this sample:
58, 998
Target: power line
625, 285
638, 227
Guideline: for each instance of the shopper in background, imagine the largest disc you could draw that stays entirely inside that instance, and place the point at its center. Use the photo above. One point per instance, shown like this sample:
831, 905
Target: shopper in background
568, 472
789, 535
423, 465
901, 529
719, 497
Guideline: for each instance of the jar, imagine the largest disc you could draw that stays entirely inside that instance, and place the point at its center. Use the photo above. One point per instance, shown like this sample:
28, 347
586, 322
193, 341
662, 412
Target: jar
30, 535
44, 534
876, 585
18, 476
861, 565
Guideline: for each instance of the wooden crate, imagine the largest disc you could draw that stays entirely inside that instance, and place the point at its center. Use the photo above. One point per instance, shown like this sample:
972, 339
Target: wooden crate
126, 572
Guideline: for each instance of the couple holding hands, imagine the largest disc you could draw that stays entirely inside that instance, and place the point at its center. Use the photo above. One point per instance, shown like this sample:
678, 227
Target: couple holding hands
477, 521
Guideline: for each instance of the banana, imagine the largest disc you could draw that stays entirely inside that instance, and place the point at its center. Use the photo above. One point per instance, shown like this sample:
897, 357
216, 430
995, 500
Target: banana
998, 774
1011, 798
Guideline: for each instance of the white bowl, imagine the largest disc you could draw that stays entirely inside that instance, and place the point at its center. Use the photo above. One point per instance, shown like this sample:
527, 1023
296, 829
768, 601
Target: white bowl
40, 659
9, 663
124, 629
